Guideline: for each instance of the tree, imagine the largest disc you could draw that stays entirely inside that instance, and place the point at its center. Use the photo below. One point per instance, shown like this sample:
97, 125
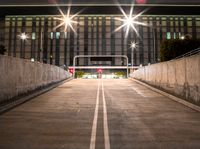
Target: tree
79, 74
173, 48
120, 74
2, 49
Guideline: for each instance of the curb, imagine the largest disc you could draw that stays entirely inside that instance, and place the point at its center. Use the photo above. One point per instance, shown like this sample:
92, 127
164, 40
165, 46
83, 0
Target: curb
174, 98
22, 100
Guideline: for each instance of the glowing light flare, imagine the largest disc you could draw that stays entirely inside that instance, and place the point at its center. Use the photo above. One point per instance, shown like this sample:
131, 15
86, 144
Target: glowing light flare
182, 37
133, 45
129, 21
71, 70
66, 20
141, 1
23, 36
99, 70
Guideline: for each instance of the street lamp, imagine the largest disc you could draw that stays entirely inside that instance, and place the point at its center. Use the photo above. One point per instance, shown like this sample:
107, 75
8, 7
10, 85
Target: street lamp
186, 36
66, 20
23, 37
129, 22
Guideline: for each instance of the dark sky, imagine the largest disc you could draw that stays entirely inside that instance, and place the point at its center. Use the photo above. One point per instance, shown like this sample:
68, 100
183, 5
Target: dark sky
29, 2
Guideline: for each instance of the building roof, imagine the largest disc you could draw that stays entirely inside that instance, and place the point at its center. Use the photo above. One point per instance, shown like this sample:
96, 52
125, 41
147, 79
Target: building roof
99, 7
98, 2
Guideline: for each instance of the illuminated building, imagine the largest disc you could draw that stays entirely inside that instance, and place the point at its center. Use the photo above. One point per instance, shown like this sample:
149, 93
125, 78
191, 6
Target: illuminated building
95, 31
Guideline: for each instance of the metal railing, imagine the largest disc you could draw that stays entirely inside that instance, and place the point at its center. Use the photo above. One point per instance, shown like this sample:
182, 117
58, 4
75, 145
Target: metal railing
90, 56
193, 52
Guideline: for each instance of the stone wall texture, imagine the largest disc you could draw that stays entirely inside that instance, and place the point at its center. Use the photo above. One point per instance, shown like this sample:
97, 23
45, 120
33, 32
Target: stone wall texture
19, 76
179, 77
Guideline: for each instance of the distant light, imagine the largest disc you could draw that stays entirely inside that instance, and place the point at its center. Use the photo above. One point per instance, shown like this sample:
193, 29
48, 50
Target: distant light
133, 45
32, 60
66, 20
129, 21
182, 37
71, 70
23, 36
99, 70
141, 1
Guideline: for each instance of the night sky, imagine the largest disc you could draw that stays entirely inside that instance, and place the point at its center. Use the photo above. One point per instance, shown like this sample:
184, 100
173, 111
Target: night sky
31, 7
29, 2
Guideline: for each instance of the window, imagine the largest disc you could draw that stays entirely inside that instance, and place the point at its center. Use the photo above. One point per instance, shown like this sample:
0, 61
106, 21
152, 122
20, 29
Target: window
174, 35
33, 36
57, 35
168, 35
51, 35
179, 35
65, 34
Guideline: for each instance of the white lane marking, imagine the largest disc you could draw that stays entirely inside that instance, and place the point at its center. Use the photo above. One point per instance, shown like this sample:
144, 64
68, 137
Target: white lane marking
146, 93
105, 121
94, 125
138, 92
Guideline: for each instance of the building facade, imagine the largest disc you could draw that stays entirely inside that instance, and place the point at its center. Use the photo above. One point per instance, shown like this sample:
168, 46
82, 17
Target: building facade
94, 34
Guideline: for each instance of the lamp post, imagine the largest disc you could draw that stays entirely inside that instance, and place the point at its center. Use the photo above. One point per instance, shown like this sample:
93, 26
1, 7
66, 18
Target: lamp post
133, 46
23, 37
130, 21
154, 42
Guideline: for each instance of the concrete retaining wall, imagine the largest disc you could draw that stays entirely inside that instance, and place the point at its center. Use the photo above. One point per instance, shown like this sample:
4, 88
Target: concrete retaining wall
18, 76
179, 77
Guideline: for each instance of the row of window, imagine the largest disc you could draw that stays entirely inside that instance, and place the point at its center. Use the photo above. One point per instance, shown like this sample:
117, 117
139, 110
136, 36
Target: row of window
108, 26
57, 35
97, 40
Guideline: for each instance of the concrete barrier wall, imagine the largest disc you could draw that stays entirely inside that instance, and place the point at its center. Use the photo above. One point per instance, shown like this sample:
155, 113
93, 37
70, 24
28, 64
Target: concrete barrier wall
179, 77
18, 76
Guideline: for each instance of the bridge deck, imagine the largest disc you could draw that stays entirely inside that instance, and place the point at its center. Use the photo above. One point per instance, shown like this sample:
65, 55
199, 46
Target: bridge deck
116, 114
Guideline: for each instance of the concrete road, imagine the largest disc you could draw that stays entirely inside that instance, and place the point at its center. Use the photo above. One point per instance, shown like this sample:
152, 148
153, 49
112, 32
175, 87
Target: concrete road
100, 114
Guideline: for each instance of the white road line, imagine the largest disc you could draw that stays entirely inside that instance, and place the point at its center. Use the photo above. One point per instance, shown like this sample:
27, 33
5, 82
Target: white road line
105, 121
94, 125
138, 92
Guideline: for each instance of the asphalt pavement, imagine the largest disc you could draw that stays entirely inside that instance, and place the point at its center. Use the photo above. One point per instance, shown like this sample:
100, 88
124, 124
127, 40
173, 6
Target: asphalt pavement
100, 114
